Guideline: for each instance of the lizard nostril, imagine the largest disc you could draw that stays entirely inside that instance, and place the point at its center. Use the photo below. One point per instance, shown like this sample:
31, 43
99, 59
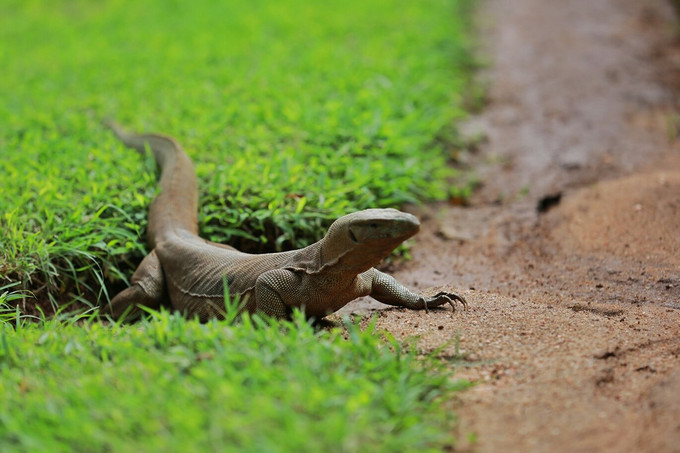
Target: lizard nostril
352, 236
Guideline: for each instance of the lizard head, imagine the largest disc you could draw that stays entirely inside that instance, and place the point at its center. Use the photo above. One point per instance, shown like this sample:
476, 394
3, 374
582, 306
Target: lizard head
363, 238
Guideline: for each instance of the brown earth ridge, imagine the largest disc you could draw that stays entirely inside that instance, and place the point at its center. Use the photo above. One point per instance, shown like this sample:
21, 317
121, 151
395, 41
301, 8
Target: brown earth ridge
570, 251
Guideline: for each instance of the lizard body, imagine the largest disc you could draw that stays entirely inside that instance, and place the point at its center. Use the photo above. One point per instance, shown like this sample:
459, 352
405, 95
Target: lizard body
188, 272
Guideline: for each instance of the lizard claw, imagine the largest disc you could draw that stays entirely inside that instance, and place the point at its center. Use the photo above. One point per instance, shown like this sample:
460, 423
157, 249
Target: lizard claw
444, 297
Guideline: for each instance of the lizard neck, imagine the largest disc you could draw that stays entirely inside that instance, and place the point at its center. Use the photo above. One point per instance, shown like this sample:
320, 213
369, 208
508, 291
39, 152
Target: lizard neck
319, 258
342, 258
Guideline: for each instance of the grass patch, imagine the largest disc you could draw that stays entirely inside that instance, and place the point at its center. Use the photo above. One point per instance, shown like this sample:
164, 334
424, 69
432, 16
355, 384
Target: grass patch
295, 112
171, 384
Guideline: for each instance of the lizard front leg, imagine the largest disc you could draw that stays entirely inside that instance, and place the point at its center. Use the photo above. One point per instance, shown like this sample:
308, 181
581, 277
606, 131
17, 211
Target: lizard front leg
147, 289
388, 290
269, 288
279, 291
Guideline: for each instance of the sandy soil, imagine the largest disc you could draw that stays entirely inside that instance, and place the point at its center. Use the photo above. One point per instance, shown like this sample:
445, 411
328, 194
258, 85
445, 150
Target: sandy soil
570, 252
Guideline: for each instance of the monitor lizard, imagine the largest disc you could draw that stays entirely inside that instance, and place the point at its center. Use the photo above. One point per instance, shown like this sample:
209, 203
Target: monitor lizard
188, 272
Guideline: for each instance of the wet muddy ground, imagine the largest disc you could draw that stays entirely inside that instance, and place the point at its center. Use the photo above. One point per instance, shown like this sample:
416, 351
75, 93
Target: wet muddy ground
569, 253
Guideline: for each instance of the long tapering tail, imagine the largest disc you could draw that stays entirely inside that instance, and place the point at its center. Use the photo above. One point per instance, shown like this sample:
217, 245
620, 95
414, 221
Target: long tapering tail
175, 209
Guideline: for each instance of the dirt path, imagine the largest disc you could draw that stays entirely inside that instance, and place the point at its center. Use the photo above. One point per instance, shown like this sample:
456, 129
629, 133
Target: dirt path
570, 252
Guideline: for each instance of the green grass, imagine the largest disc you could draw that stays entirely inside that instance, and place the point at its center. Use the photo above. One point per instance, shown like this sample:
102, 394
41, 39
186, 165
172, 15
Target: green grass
295, 112
169, 384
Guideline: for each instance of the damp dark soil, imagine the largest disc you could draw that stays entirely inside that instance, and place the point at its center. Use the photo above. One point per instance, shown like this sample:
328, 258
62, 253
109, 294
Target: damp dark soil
569, 253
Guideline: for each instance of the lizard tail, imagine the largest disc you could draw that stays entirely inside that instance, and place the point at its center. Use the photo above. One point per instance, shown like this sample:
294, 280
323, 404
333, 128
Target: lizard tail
175, 209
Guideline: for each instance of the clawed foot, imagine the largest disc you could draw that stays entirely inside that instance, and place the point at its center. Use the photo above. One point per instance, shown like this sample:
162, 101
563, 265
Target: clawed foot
442, 298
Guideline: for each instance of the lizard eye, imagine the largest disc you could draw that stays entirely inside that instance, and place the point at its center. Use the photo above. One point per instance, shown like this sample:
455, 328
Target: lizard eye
373, 225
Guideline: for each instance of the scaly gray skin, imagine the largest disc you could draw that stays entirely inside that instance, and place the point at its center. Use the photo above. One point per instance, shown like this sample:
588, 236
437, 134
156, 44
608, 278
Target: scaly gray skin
187, 272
